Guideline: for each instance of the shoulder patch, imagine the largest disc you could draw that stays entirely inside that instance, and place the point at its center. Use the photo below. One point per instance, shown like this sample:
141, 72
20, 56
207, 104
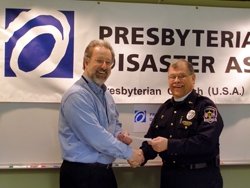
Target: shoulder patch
210, 114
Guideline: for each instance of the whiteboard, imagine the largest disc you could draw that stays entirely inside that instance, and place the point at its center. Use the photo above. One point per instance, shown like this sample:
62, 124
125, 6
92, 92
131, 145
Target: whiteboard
28, 133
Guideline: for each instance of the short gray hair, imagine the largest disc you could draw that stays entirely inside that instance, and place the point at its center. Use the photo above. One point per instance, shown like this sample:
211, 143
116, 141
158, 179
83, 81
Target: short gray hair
176, 63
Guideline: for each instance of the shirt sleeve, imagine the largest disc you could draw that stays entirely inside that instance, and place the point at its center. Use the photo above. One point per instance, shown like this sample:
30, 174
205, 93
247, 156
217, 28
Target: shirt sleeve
82, 116
147, 149
118, 127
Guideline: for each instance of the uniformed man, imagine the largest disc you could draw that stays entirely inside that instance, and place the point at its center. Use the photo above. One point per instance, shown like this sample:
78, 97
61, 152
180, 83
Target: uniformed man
185, 132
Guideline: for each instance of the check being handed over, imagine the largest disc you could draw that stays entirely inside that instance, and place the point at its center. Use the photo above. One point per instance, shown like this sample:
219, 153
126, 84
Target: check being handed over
138, 138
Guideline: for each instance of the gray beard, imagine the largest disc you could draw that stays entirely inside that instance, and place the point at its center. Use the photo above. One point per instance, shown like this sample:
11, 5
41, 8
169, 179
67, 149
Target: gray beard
95, 79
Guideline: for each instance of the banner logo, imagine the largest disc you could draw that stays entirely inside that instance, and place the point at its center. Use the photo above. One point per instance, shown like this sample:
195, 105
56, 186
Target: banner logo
39, 43
140, 116
143, 117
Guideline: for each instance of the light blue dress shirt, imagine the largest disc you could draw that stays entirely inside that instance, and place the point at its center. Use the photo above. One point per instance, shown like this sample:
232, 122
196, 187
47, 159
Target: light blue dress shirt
89, 125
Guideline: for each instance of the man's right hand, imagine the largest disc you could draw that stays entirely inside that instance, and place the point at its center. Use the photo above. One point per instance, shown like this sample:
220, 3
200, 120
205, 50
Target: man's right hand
137, 158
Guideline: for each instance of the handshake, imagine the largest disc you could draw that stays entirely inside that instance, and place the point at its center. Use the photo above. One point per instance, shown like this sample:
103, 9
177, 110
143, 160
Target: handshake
158, 144
137, 158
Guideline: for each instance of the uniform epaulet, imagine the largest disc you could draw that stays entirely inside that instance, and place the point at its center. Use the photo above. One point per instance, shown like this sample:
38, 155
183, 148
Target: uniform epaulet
167, 101
200, 96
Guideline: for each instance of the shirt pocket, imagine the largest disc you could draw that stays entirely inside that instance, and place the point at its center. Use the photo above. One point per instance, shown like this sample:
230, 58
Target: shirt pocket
113, 118
187, 129
160, 129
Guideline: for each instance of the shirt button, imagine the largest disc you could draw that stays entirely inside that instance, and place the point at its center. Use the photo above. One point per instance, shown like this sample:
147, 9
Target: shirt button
173, 161
170, 136
156, 126
175, 112
172, 124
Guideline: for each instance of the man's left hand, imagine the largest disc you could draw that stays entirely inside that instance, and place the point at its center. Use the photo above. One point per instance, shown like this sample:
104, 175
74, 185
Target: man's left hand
159, 144
123, 138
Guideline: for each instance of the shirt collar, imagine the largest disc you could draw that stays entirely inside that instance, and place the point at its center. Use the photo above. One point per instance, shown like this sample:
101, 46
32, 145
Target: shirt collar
182, 98
189, 99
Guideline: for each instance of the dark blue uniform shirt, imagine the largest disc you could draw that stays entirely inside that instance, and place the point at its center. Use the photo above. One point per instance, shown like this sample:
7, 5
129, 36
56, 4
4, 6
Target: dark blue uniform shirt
192, 127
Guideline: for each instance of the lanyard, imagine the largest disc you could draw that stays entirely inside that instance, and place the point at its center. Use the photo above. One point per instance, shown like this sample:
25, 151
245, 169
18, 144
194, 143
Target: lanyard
104, 99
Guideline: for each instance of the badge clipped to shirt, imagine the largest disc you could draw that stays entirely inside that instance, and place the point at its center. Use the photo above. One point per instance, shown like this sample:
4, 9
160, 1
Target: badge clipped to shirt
190, 114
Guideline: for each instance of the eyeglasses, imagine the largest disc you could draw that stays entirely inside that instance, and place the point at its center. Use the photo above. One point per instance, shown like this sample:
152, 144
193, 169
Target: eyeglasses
101, 61
180, 77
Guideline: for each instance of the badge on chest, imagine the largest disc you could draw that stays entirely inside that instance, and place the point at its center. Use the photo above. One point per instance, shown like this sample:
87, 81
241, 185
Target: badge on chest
190, 115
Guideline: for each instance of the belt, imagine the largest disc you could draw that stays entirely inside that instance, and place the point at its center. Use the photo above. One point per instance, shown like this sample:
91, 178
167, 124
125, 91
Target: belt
98, 165
213, 163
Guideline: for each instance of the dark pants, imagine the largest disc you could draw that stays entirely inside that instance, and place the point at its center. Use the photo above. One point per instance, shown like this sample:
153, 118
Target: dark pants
82, 175
209, 177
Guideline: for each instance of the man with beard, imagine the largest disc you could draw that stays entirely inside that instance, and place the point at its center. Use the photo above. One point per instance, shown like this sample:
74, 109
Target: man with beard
90, 133
185, 132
